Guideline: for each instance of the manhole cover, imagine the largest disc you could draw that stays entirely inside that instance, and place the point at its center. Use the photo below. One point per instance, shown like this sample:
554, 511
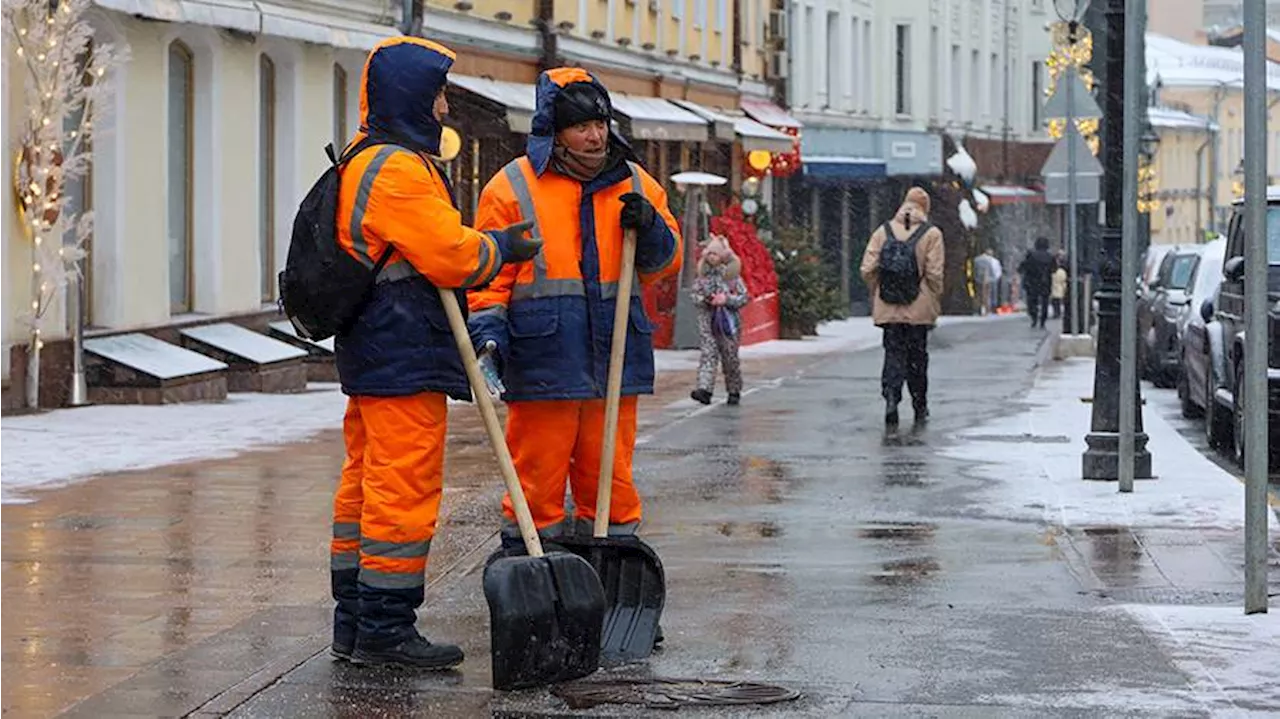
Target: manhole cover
671, 693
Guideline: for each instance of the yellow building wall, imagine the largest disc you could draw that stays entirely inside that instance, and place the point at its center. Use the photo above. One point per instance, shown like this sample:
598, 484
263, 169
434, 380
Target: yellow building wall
1175, 219
1230, 119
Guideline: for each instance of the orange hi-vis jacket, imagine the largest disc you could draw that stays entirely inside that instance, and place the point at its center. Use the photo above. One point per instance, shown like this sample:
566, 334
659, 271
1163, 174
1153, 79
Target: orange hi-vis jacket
552, 318
392, 195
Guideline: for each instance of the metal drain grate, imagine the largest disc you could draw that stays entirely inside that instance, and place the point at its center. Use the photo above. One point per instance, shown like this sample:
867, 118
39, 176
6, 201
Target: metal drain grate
671, 693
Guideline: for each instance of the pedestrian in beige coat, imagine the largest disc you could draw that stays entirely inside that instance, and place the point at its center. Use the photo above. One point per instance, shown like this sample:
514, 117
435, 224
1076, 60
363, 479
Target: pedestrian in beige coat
904, 309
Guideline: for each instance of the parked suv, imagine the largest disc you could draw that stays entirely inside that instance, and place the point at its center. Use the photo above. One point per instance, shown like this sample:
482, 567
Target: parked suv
1224, 325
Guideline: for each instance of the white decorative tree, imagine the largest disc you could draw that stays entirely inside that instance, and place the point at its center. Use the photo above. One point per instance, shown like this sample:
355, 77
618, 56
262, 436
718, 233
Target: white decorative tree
66, 81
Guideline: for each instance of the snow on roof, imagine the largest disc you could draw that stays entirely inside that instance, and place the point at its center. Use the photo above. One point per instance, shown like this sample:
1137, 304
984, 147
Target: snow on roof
1168, 117
1177, 63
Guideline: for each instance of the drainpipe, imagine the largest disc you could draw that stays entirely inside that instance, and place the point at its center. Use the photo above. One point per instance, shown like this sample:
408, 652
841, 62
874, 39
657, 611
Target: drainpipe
1200, 183
1219, 93
411, 17
546, 24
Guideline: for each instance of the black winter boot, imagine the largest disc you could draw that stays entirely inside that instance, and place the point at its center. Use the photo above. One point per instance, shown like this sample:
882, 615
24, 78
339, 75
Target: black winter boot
701, 395
891, 414
413, 652
735, 398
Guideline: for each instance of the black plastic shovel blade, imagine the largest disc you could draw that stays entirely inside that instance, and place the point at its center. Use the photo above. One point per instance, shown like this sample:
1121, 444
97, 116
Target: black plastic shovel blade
545, 616
635, 590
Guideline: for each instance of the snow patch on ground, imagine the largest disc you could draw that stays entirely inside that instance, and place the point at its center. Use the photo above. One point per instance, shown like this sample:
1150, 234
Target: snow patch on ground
1232, 660
1039, 478
851, 335
56, 447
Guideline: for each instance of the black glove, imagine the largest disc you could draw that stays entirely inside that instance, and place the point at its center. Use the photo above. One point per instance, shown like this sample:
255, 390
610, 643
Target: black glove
515, 246
637, 212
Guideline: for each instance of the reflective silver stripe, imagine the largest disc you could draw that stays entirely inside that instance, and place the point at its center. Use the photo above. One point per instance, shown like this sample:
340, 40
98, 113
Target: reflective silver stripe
548, 288
474, 279
346, 530
550, 532
391, 580
541, 285
587, 528
398, 270
609, 290
394, 550
358, 242
496, 311
344, 560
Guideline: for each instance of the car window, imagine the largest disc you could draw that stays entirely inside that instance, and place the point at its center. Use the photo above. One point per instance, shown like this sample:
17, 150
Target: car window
1208, 275
1273, 235
1235, 237
1166, 266
1179, 277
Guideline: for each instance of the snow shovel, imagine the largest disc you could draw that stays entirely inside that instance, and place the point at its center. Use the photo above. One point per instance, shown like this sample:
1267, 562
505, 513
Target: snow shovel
634, 585
545, 610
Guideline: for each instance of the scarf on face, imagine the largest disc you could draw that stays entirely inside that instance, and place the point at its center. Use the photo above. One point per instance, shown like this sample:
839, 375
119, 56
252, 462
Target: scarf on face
581, 166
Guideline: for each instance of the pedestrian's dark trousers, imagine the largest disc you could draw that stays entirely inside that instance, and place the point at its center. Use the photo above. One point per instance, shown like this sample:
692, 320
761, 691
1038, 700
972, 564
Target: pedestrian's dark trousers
1038, 307
906, 359
1057, 307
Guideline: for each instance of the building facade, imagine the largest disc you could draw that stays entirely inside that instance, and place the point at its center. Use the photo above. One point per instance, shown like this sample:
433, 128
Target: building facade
219, 120
887, 91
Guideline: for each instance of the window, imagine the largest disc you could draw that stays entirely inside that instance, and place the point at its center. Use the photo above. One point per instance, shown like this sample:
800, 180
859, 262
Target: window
266, 176
975, 85
993, 84
935, 73
855, 44
339, 108
902, 70
957, 92
832, 69
810, 53
181, 139
868, 88
1037, 96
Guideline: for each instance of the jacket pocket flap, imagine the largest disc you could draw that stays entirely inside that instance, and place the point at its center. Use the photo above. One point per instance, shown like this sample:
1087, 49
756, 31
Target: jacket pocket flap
535, 324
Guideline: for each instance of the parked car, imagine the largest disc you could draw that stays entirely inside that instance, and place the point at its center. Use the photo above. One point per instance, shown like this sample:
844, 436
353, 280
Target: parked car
1161, 347
1224, 329
1158, 359
1193, 350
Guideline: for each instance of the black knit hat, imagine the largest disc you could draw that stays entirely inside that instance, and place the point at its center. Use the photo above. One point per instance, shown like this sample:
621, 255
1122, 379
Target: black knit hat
580, 102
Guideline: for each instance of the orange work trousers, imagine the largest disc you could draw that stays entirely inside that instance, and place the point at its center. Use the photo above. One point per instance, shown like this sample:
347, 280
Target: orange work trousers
384, 512
553, 441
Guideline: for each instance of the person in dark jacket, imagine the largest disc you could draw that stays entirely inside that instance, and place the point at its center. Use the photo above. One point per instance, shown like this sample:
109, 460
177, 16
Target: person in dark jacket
1037, 280
398, 363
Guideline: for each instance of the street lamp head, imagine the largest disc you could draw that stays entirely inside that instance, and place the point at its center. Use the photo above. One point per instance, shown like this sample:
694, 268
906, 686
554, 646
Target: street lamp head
1070, 10
1150, 141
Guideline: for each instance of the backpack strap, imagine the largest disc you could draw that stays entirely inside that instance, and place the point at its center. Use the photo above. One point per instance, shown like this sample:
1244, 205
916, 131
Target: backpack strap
920, 231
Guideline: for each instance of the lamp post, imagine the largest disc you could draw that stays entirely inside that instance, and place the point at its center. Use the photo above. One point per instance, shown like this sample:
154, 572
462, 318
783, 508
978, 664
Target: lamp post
1072, 12
1101, 460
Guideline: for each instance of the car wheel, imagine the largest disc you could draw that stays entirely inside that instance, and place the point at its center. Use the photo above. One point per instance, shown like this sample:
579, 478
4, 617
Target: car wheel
1237, 417
1190, 410
1217, 425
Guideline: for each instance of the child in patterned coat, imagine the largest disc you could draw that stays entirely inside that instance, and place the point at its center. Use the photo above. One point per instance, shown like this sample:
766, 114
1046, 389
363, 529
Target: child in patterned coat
719, 293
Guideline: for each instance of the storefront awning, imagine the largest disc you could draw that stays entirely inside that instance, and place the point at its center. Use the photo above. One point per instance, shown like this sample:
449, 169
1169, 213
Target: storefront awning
828, 167
731, 126
653, 118
1012, 194
261, 18
516, 97
755, 136
767, 113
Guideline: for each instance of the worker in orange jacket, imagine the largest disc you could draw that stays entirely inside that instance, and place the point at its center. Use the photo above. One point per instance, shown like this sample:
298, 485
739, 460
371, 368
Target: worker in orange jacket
398, 363
552, 319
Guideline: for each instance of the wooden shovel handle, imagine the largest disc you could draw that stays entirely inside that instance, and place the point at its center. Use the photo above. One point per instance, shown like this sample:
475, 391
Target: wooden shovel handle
613, 390
491, 425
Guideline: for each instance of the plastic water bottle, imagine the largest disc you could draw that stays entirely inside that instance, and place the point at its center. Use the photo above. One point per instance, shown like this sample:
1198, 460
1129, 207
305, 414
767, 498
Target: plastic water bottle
489, 369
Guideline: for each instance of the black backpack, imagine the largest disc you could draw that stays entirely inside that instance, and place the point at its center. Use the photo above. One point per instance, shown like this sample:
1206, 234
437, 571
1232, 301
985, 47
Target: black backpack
323, 288
899, 270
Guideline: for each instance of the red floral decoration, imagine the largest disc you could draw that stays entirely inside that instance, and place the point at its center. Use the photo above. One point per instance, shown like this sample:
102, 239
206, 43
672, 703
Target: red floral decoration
786, 164
757, 265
